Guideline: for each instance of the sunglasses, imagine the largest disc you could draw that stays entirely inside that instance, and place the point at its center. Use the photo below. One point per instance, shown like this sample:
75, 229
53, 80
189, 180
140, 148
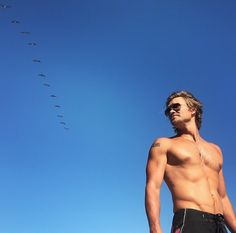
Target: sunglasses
176, 107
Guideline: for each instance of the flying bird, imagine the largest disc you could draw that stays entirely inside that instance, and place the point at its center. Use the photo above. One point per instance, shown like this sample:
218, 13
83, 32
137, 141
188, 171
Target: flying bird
15, 21
46, 85
26, 33
32, 44
36, 60
42, 75
4, 6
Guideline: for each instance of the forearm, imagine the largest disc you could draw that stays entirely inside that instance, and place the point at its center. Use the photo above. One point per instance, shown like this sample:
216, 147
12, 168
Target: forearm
152, 204
229, 214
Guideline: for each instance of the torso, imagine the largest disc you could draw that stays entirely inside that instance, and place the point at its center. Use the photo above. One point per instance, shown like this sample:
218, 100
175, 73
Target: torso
192, 174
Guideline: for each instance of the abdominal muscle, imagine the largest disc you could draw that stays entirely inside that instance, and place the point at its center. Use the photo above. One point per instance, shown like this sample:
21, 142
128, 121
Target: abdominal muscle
193, 190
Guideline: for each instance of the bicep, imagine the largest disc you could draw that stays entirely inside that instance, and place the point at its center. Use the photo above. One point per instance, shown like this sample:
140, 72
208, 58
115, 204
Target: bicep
221, 180
156, 166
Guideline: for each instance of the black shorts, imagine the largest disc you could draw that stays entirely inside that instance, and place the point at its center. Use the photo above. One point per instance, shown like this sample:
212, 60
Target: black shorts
195, 221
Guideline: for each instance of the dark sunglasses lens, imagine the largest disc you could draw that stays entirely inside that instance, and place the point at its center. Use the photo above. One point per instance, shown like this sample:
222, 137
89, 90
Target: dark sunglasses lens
175, 107
167, 111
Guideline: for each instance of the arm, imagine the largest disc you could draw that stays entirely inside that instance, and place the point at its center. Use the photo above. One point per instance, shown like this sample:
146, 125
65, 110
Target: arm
154, 176
228, 210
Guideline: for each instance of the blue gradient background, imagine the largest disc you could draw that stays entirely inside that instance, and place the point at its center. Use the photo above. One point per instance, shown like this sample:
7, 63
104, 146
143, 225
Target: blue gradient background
111, 64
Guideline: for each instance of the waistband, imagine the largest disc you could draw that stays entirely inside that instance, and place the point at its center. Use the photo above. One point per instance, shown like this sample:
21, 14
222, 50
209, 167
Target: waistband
199, 214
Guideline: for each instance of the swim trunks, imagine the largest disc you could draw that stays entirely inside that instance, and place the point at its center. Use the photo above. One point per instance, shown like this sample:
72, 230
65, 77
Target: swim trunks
195, 221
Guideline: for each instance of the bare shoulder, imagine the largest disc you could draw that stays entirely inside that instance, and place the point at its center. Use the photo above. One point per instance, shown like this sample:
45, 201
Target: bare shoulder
159, 147
158, 152
217, 149
162, 143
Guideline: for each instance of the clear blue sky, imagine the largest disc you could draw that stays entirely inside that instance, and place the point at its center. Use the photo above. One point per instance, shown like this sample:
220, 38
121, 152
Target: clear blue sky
111, 65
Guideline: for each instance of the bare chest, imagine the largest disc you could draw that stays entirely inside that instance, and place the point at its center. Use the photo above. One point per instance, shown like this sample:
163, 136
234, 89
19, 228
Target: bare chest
189, 154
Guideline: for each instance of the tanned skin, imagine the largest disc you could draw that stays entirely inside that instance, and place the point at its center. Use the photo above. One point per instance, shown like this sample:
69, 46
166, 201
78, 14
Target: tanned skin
191, 168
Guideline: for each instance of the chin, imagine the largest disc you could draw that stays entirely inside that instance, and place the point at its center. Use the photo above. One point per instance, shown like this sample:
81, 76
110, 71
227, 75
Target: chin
176, 124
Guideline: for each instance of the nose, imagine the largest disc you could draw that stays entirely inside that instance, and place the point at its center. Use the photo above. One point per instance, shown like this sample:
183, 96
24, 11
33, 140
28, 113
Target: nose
172, 110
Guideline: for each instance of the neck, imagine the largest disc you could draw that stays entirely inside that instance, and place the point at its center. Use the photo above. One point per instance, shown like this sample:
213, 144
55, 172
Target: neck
190, 132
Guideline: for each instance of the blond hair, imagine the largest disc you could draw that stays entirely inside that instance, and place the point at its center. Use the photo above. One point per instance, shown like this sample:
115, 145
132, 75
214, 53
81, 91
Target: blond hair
192, 103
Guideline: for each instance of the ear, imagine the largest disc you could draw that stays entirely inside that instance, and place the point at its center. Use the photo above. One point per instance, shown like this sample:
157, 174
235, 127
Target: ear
193, 111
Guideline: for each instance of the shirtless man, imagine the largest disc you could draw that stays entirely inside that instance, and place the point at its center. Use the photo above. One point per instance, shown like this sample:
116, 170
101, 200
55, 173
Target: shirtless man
192, 170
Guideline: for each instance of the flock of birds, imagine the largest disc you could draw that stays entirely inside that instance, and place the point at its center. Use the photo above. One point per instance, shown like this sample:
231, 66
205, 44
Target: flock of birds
60, 116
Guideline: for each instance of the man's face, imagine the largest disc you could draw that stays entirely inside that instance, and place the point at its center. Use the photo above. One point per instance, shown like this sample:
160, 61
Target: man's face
178, 112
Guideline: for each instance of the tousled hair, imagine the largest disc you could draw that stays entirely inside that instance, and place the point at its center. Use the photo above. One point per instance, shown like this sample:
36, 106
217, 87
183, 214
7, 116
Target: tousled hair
192, 102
